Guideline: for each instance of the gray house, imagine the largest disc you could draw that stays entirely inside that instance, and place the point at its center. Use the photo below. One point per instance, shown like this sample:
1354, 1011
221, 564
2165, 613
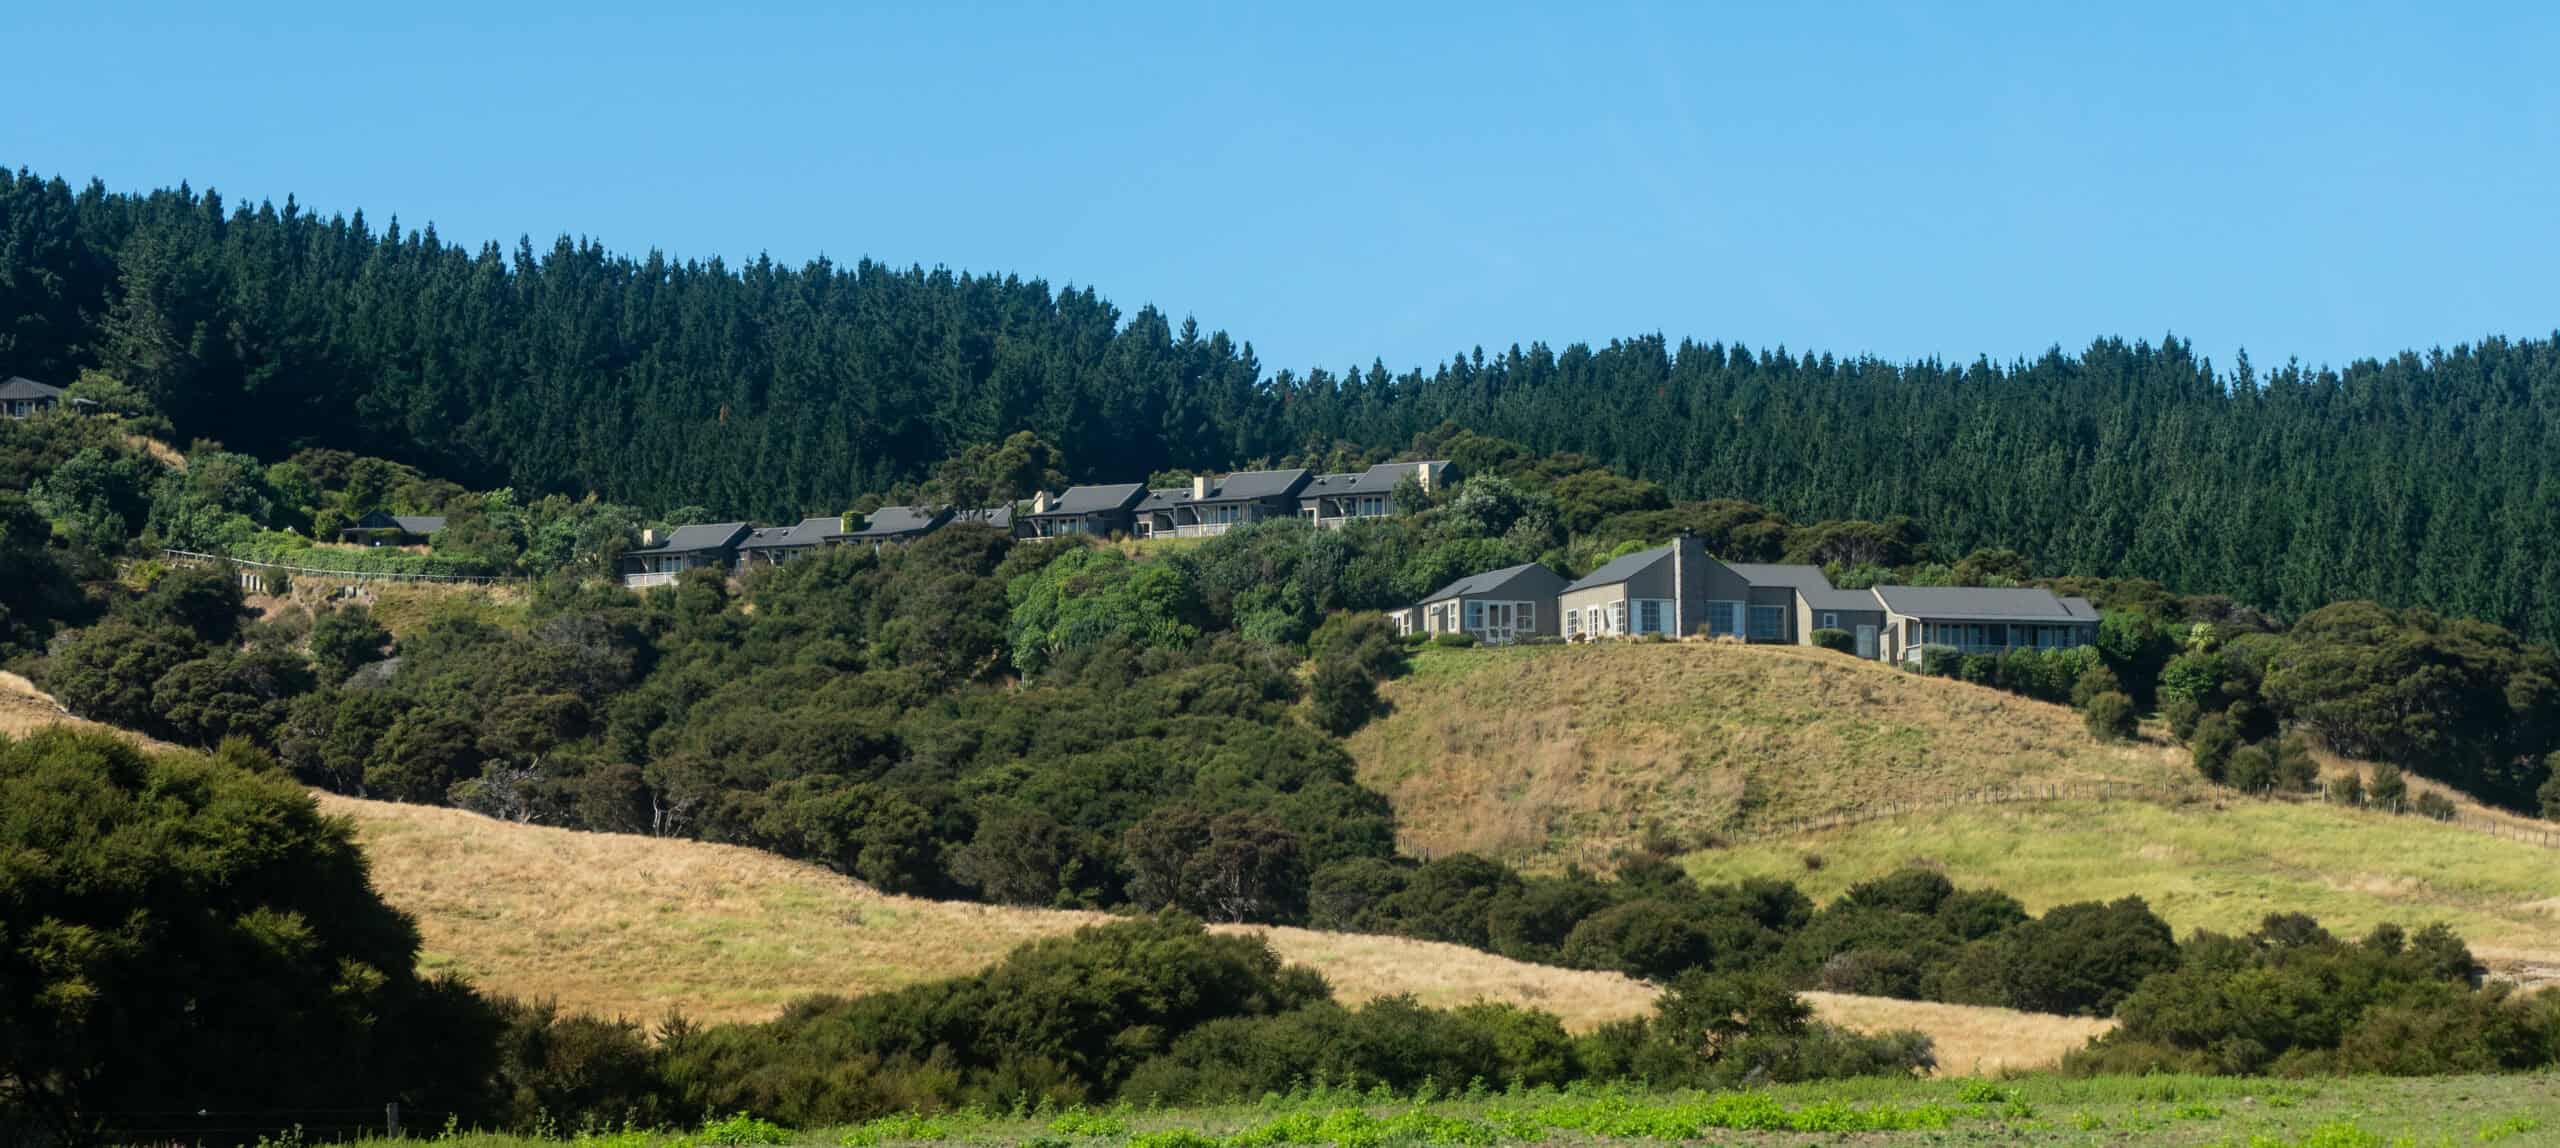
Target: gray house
775, 545
1981, 620
898, 524
383, 528
1497, 606
1812, 604
1095, 510
657, 563
22, 397
992, 517
1674, 591
1329, 501
1213, 505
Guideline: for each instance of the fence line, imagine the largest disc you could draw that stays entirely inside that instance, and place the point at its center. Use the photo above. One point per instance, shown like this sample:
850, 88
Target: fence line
2104, 791
358, 575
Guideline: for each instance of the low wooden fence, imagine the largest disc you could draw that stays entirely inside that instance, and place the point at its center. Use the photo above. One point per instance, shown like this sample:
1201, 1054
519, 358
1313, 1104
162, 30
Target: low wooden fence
2547, 836
251, 580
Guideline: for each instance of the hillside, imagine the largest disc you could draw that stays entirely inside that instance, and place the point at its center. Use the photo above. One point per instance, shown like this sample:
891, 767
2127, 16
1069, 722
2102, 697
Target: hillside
1566, 753
638, 926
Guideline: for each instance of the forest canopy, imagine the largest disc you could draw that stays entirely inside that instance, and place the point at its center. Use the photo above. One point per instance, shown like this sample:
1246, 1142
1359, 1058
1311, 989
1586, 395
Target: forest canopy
767, 390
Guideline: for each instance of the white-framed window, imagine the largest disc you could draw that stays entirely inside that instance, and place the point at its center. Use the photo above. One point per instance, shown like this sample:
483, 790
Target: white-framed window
1768, 623
1528, 615
1831, 621
1475, 615
1618, 616
1573, 623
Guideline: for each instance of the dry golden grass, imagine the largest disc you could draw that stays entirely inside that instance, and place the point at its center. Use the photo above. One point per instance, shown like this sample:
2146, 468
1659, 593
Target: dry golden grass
25, 709
1566, 753
1971, 1041
638, 926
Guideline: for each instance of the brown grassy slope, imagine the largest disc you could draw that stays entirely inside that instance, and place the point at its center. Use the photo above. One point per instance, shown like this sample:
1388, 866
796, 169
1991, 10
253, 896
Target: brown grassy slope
1565, 753
638, 926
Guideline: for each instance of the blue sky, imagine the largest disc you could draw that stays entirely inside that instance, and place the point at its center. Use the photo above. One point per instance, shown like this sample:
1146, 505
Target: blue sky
1406, 181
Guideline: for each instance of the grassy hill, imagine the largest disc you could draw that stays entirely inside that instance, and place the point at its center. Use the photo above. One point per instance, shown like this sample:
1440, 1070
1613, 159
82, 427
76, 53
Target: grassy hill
1545, 755
1565, 753
638, 926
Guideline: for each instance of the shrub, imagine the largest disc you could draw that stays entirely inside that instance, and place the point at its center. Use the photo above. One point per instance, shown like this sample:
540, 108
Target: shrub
1651, 939
1344, 696
135, 881
2212, 746
2433, 805
2095, 680
2295, 769
1839, 640
2250, 770
1940, 661
1456, 641
2348, 790
2110, 717
2549, 794
2388, 788
1980, 669
2182, 714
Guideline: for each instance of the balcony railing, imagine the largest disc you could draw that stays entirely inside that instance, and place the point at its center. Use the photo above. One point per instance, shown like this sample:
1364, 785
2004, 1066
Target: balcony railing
644, 581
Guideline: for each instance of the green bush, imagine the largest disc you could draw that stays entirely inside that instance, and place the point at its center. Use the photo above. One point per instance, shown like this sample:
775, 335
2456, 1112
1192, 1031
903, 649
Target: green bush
2388, 788
1839, 640
2434, 805
2110, 717
2215, 740
135, 882
2250, 770
2347, 790
1344, 696
1940, 661
1980, 669
2183, 715
1457, 641
1651, 939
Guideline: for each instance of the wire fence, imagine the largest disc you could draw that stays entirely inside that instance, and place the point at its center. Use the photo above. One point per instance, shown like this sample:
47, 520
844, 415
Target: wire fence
355, 575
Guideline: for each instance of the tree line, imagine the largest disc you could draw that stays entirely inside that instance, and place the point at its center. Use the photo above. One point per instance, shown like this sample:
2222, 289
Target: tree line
760, 389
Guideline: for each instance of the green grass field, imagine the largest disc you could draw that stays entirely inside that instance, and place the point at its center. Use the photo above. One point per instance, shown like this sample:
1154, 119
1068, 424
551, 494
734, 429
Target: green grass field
2038, 1110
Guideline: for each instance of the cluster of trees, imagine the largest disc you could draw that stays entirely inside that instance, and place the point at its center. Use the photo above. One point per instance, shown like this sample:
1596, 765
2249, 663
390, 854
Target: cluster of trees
136, 882
763, 390
2291, 999
1910, 934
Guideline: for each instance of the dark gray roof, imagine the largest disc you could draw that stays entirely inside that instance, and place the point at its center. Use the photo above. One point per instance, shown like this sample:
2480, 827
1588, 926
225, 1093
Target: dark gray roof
894, 521
1809, 583
1245, 485
1000, 517
1093, 499
1386, 476
807, 532
419, 523
2080, 608
1977, 603
22, 387
693, 539
1492, 583
1164, 498
1620, 569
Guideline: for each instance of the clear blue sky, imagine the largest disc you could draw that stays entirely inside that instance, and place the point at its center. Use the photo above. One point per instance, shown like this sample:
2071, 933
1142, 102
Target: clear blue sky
1406, 180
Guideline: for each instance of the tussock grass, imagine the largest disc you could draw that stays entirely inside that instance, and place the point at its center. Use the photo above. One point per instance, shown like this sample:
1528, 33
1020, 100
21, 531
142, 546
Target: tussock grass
2202, 865
1555, 754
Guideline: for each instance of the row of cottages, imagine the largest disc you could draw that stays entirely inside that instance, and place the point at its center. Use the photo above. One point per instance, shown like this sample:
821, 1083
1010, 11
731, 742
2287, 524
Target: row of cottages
1215, 504
1678, 589
1211, 505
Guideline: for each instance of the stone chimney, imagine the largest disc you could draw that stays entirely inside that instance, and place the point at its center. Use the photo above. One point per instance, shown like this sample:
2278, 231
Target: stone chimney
1040, 502
1199, 487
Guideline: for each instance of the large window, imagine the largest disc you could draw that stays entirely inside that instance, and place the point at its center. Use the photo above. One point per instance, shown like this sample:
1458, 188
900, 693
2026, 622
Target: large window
1768, 623
1573, 623
1528, 616
1649, 616
1618, 616
1724, 619
1475, 615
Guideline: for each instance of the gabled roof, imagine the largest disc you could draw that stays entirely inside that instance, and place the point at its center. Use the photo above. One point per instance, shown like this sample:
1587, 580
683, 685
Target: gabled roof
893, 521
405, 523
1380, 479
19, 387
1979, 603
807, 532
1095, 499
1492, 583
1621, 568
999, 517
1164, 498
1809, 583
697, 538
2081, 609
1245, 485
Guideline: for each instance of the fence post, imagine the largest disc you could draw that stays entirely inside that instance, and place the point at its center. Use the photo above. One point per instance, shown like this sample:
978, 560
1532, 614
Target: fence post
391, 1120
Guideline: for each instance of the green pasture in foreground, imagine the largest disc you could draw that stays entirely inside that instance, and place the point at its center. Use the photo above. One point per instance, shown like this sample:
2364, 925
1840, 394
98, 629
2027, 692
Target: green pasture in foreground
2162, 1110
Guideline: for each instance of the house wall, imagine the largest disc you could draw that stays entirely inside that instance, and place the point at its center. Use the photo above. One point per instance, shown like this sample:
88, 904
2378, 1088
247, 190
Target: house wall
1597, 597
